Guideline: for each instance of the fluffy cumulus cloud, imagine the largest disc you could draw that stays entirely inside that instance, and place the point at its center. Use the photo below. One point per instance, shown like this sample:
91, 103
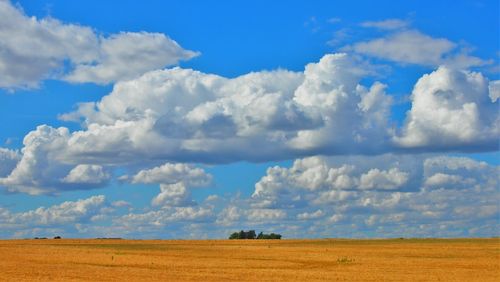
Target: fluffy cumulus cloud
91, 57
173, 173
305, 200
156, 123
451, 109
381, 196
175, 181
333, 181
183, 115
65, 216
39, 171
87, 174
452, 196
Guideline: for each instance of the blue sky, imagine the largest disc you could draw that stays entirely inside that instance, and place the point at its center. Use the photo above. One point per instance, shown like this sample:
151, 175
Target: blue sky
197, 118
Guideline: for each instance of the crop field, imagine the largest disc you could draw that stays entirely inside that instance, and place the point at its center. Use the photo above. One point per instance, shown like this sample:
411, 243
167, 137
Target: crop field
250, 260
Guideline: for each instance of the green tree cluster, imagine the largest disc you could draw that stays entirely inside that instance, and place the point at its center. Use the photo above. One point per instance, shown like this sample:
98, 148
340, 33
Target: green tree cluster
251, 235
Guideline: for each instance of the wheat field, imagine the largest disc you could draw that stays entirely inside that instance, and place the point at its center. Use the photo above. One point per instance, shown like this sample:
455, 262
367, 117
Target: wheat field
250, 260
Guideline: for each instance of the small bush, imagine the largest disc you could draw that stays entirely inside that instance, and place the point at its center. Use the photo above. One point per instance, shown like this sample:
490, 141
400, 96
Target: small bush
345, 260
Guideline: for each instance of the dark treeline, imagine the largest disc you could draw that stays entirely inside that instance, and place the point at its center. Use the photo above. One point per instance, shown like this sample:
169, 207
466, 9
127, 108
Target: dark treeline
252, 235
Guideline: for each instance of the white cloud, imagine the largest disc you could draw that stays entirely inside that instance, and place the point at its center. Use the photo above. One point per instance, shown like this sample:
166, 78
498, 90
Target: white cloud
174, 179
381, 179
315, 174
187, 115
162, 217
450, 189
173, 173
494, 89
37, 172
266, 214
173, 195
409, 46
184, 116
388, 24
94, 174
415, 47
443, 179
94, 58
451, 109
40, 171
464, 206
229, 215
310, 215
454, 164
127, 55
66, 213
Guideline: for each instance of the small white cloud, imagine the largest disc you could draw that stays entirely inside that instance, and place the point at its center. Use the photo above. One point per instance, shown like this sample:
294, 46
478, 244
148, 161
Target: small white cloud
334, 20
264, 215
89, 174
174, 195
385, 180
229, 215
173, 173
442, 179
410, 46
388, 24
494, 88
310, 215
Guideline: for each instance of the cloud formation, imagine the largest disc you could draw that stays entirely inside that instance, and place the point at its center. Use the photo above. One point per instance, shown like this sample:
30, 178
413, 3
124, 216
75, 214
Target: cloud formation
441, 196
182, 115
454, 196
62, 217
75, 53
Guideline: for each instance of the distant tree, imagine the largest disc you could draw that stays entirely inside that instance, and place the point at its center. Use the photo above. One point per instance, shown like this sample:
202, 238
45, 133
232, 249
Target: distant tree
242, 235
274, 236
251, 234
57, 237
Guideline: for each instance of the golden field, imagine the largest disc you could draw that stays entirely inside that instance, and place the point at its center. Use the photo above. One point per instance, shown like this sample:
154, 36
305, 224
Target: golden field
251, 260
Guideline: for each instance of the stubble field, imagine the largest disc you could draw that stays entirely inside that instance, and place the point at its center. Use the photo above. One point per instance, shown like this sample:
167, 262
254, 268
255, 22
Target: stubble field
251, 260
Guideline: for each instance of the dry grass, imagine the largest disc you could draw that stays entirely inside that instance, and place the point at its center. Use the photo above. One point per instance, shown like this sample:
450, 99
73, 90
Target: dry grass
254, 260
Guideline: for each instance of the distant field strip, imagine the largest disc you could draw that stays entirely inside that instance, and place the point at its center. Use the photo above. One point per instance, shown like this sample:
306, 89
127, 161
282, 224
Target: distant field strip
250, 260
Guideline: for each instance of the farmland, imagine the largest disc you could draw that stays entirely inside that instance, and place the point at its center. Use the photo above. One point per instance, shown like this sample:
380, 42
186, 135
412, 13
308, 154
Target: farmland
251, 260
